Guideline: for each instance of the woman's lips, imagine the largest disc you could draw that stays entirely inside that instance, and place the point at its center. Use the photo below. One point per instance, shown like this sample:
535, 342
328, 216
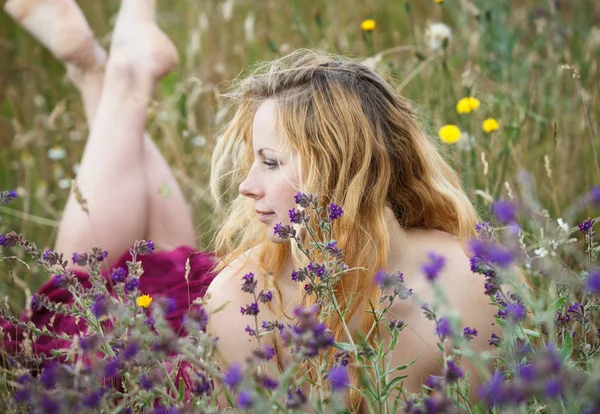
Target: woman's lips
265, 216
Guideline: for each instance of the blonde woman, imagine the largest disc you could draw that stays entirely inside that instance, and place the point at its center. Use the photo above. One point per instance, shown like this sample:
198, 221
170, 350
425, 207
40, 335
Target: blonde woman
309, 122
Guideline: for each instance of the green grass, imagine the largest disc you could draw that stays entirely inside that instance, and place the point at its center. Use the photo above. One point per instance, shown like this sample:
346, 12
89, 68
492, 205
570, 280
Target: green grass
503, 54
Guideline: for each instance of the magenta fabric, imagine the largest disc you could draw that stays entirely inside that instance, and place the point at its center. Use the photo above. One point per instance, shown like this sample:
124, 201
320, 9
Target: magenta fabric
164, 276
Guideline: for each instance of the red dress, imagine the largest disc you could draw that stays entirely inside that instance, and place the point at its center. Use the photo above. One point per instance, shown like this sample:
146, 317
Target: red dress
164, 275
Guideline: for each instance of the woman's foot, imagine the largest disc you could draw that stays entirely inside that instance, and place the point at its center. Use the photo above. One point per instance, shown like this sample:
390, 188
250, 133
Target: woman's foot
62, 28
139, 48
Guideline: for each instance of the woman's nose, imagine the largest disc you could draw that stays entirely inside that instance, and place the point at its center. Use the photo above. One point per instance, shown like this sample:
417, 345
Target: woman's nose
250, 188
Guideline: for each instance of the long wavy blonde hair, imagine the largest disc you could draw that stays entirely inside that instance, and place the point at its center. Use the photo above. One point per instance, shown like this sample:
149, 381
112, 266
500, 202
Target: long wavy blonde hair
360, 146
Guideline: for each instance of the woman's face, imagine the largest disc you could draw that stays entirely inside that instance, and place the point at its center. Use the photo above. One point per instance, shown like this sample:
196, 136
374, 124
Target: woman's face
272, 181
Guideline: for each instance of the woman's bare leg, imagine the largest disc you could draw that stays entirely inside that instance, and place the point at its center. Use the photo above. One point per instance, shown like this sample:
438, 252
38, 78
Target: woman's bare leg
167, 220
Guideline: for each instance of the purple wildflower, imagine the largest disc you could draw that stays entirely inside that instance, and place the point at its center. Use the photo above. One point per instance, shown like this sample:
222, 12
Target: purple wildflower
577, 310
553, 388
80, 259
99, 307
145, 382
335, 211
593, 281
249, 283
444, 327
284, 231
484, 230
495, 340
198, 315
22, 395
233, 377
118, 275
309, 336
586, 225
338, 377
595, 194
265, 297
111, 368
527, 372
304, 200
6, 197
396, 324
295, 398
515, 312
453, 372
492, 253
504, 211
143, 247
494, 392
2, 240
49, 405
435, 265
35, 302
48, 376
92, 400
251, 332
429, 314
469, 333
131, 350
251, 309
202, 386
132, 284
295, 216
264, 353
244, 400
269, 383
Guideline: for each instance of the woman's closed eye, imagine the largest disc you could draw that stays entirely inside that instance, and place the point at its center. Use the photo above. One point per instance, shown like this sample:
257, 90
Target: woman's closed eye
271, 164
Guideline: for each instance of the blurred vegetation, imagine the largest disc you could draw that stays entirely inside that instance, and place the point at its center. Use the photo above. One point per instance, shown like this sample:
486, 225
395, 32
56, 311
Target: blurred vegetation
507, 54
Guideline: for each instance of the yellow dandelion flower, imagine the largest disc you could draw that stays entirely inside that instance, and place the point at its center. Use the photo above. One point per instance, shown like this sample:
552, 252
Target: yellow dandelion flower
368, 25
449, 134
466, 105
439, 1
490, 125
144, 301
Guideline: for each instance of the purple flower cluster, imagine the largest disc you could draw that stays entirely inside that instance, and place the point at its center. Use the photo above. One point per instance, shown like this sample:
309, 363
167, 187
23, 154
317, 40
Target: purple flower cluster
295, 398
484, 230
444, 328
298, 216
99, 306
284, 231
51, 257
142, 247
305, 199
6, 197
251, 309
233, 376
308, 336
544, 377
511, 309
469, 333
434, 266
504, 211
133, 284
118, 275
250, 283
313, 272
335, 211
595, 194
492, 253
9, 239
587, 225
593, 281
393, 281
338, 377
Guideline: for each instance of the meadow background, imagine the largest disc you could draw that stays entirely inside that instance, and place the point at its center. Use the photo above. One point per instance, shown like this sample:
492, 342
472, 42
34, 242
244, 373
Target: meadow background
507, 54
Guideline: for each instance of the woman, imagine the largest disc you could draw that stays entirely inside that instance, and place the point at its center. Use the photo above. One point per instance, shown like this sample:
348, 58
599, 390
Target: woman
308, 122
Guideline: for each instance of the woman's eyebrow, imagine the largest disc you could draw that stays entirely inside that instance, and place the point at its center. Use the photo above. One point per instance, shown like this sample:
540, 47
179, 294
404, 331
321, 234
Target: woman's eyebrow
261, 151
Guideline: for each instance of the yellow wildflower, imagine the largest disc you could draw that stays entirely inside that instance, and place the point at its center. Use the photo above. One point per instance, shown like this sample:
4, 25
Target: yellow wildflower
466, 105
144, 301
439, 1
368, 25
490, 125
449, 134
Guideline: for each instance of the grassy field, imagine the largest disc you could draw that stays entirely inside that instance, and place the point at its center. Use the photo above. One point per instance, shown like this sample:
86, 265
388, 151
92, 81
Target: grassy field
507, 54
